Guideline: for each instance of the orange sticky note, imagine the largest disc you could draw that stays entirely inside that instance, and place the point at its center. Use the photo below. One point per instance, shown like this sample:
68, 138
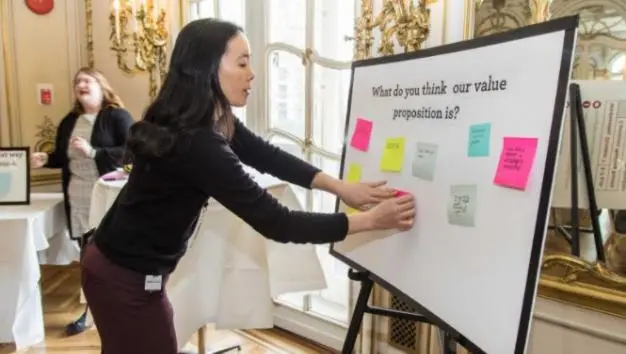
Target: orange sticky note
516, 161
362, 134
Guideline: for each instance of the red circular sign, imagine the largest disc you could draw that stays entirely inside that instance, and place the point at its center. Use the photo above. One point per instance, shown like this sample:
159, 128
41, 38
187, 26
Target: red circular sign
40, 7
597, 104
586, 104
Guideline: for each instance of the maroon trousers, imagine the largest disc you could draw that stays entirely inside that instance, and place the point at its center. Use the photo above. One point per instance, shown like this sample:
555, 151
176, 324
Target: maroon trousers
129, 319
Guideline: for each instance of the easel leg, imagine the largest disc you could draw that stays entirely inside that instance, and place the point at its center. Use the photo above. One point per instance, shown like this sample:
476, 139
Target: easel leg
361, 308
575, 232
591, 192
449, 344
579, 132
357, 317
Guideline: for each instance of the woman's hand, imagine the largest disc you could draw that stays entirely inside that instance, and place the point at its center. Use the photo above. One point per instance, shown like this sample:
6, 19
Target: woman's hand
38, 159
81, 145
360, 195
395, 213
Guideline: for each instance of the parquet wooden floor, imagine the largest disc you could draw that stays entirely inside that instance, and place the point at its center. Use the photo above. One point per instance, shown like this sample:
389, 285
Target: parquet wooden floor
61, 293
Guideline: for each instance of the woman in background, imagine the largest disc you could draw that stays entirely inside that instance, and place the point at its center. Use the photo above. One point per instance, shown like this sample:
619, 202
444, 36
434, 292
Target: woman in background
90, 142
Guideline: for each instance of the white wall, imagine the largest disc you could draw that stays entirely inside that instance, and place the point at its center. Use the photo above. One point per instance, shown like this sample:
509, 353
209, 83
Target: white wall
563, 329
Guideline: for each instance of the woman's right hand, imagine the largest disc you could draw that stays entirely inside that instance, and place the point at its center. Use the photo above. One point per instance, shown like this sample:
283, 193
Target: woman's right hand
393, 213
38, 159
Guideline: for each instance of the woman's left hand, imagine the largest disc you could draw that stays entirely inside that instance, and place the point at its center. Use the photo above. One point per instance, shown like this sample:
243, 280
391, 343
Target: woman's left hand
360, 195
81, 145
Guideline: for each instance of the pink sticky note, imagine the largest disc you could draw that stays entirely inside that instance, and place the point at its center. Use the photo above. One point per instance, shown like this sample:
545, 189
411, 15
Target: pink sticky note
400, 193
361, 135
516, 160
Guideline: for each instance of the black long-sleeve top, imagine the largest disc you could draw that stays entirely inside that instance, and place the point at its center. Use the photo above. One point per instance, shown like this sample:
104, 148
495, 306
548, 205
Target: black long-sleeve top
147, 228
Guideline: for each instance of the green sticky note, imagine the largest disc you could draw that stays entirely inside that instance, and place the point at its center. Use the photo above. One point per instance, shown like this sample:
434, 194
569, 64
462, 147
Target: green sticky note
393, 156
424, 162
479, 137
462, 205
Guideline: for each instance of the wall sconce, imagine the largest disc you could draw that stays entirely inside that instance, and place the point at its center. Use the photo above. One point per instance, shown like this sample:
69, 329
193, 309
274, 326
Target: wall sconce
139, 37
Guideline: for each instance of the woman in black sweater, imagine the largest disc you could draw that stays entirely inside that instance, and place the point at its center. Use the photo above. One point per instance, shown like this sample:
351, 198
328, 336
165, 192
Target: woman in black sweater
189, 147
90, 142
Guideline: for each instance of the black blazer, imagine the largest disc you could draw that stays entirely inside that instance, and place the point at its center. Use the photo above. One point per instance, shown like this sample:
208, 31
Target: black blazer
108, 138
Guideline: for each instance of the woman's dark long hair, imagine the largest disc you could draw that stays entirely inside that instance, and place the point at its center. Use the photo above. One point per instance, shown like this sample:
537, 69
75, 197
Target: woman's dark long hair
190, 95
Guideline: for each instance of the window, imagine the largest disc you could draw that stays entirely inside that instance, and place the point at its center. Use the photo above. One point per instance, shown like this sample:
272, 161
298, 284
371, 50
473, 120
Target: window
310, 57
282, 92
618, 67
302, 55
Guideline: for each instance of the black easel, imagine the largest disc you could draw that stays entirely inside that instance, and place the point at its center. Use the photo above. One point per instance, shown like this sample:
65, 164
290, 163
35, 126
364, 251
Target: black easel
578, 130
361, 308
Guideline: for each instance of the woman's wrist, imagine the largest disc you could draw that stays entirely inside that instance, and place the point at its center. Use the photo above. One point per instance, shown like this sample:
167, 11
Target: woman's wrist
325, 182
360, 222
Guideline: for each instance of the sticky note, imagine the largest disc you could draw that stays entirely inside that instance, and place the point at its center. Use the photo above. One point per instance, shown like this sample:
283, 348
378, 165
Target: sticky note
516, 161
424, 162
462, 205
354, 173
479, 138
393, 155
352, 176
400, 193
362, 134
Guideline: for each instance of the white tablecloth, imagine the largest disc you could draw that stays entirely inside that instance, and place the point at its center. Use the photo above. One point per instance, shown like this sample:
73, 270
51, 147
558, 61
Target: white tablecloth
29, 235
230, 273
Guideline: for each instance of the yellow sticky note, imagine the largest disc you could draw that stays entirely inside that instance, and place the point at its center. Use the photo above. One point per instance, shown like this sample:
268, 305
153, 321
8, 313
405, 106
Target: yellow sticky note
393, 156
354, 173
352, 176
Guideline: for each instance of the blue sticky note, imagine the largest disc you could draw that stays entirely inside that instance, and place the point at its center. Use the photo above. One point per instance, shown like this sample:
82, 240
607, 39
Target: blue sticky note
478, 142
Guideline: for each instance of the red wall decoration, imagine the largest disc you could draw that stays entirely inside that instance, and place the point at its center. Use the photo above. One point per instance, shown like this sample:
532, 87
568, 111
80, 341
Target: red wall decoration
40, 7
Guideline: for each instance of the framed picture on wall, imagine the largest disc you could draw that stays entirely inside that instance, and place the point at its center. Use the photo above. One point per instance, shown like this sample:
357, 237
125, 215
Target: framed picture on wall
14, 175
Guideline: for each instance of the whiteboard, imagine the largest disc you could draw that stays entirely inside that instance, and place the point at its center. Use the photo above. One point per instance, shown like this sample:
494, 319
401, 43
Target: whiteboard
604, 110
471, 262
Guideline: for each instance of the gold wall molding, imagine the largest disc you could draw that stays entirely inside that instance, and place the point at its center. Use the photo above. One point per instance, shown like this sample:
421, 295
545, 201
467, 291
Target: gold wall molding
46, 132
576, 282
139, 38
9, 60
91, 60
471, 8
539, 10
179, 12
399, 22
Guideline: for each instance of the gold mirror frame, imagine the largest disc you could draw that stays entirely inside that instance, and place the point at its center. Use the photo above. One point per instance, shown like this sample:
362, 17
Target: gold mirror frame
564, 278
